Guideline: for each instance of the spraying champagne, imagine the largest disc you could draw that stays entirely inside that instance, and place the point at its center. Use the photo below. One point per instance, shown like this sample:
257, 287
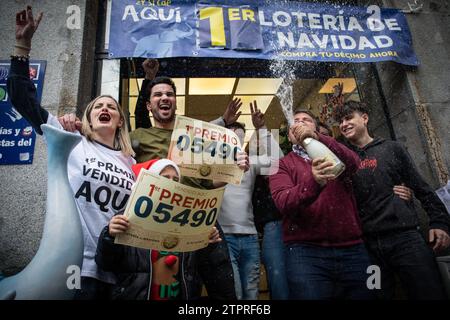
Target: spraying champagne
317, 149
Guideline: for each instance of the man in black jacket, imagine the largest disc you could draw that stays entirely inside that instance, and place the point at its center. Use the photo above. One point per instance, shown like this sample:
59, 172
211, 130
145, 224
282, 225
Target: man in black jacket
390, 224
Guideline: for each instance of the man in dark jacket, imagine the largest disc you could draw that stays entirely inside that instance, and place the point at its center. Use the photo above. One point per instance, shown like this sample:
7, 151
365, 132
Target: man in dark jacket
326, 257
390, 224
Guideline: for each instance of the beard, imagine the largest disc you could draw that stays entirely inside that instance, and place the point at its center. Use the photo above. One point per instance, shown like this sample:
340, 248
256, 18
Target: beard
157, 117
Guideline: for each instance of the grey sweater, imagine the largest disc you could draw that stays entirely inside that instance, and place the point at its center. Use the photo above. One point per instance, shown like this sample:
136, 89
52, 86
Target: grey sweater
236, 212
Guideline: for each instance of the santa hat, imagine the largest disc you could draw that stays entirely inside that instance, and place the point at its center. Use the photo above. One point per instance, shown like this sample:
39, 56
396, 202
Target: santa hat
155, 166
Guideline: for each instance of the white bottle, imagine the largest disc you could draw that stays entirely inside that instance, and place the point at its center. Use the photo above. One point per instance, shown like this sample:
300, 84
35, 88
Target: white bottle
317, 149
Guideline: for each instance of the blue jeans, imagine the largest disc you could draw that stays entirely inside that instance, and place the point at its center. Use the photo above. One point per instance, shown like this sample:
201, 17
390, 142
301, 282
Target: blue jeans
245, 259
274, 259
322, 273
406, 254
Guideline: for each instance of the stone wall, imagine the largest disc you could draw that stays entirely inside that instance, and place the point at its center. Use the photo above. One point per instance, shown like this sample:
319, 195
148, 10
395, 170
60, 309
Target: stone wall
23, 187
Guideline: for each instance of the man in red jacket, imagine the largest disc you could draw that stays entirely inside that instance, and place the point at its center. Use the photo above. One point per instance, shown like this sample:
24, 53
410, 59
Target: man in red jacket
326, 257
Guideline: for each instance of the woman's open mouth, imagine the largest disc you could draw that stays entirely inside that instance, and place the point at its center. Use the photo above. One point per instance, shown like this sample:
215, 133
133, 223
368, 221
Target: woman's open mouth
104, 117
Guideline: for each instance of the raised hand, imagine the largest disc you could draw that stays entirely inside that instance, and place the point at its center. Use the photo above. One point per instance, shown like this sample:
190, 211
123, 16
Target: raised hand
257, 116
151, 68
338, 89
26, 25
231, 113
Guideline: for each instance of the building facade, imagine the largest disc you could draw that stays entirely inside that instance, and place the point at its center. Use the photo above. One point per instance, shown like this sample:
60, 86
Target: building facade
408, 104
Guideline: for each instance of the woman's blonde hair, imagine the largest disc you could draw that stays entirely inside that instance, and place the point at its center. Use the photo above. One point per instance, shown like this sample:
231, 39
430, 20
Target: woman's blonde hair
122, 138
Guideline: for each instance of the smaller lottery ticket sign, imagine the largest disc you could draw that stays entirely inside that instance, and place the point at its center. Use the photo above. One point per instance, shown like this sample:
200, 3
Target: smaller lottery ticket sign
168, 216
205, 150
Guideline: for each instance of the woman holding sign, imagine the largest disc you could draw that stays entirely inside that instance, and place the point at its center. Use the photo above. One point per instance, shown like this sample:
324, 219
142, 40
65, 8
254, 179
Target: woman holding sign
99, 167
149, 274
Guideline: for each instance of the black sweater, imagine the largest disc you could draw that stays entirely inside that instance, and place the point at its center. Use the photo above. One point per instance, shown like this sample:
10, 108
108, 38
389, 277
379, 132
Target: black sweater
23, 95
141, 112
385, 164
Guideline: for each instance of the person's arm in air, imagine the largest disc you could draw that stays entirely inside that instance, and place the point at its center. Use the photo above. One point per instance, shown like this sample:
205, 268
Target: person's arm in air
230, 115
141, 113
20, 88
264, 150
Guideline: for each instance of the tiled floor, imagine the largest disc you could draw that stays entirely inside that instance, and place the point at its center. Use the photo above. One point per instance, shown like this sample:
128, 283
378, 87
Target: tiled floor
263, 287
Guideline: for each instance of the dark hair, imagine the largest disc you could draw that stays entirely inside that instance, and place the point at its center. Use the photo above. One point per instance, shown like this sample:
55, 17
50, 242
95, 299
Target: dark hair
236, 125
348, 108
159, 80
285, 144
309, 113
323, 125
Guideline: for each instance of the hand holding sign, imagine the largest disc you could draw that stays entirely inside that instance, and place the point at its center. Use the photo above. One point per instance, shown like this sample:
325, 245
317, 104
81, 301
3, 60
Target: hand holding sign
118, 225
207, 151
162, 214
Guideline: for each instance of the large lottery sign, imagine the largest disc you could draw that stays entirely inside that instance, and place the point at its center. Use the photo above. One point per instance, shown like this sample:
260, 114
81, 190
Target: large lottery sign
166, 215
206, 151
286, 30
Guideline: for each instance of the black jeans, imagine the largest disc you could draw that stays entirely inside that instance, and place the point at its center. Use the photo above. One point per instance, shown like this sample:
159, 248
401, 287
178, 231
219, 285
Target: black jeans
407, 255
216, 271
93, 289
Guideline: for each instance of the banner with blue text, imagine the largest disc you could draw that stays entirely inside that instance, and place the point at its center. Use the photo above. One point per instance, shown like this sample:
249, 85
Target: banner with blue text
285, 30
17, 136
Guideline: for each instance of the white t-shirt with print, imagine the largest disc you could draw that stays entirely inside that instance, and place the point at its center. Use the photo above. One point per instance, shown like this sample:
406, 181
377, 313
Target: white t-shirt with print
101, 179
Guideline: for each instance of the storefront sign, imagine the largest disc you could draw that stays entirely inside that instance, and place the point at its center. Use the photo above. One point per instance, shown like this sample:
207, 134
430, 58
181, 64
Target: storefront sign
169, 216
206, 151
17, 136
286, 30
